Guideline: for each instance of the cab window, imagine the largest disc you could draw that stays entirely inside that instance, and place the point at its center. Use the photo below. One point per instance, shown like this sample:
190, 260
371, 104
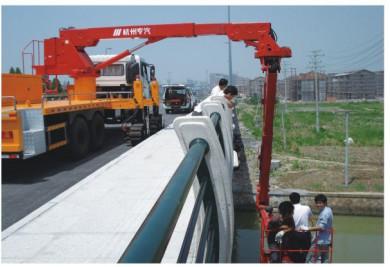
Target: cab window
113, 70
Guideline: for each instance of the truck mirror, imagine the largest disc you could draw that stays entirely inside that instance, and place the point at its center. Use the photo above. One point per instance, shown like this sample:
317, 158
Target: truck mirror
152, 73
132, 70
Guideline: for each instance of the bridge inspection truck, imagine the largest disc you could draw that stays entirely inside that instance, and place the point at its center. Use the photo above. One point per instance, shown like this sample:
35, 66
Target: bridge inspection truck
34, 122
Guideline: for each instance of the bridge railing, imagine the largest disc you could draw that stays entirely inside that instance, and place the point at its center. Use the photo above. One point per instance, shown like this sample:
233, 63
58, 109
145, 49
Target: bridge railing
212, 201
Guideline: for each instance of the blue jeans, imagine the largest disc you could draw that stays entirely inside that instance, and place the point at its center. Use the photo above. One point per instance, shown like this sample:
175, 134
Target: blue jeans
322, 253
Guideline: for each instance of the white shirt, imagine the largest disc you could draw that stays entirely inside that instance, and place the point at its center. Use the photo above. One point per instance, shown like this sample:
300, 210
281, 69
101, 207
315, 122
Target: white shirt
216, 91
302, 213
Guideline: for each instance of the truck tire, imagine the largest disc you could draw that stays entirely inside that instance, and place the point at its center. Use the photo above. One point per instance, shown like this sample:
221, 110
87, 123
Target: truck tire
79, 138
155, 124
97, 131
136, 133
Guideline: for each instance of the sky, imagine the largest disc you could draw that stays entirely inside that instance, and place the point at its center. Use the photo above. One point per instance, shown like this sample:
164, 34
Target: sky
349, 37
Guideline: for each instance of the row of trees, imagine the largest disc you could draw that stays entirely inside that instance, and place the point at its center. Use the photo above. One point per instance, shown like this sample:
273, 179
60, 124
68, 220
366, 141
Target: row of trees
47, 85
15, 70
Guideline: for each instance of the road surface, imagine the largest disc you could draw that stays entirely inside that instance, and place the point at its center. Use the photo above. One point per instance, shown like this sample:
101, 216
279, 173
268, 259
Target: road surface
28, 184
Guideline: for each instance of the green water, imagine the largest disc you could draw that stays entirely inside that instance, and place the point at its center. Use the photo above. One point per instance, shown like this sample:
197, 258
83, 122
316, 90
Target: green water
356, 240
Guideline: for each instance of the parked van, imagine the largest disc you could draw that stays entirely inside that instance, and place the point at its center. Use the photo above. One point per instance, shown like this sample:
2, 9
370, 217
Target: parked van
178, 98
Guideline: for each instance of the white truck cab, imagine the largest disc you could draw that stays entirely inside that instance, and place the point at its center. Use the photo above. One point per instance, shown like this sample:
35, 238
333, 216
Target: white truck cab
120, 75
117, 80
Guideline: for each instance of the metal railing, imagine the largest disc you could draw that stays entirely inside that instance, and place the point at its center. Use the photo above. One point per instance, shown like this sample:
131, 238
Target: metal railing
272, 252
13, 98
68, 97
152, 238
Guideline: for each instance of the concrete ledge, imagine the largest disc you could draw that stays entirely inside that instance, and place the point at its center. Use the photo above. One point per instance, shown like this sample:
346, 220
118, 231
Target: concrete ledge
342, 203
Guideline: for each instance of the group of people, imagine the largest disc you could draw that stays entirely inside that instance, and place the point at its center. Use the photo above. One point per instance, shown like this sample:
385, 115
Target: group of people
290, 231
223, 89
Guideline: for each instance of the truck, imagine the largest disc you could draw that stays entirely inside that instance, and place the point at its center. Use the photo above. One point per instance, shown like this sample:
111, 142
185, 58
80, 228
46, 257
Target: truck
34, 122
117, 80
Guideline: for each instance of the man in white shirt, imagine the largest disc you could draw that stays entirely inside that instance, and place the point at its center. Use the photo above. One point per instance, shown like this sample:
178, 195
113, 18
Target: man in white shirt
218, 90
302, 213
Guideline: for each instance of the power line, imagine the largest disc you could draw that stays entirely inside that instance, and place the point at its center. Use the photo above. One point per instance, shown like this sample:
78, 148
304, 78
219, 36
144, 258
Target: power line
362, 51
371, 57
353, 46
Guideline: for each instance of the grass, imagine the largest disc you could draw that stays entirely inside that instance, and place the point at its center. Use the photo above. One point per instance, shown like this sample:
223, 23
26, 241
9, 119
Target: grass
366, 124
315, 161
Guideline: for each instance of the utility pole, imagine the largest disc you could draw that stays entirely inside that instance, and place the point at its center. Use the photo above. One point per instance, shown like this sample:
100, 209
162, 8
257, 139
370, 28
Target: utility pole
284, 110
315, 64
230, 53
292, 84
346, 174
283, 131
285, 65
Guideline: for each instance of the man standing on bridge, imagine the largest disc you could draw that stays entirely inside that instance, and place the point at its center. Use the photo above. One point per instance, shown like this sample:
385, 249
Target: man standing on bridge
302, 213
218, 89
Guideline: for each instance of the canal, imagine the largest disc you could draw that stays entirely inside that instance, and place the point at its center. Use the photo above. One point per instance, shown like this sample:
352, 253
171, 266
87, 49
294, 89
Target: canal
357, 239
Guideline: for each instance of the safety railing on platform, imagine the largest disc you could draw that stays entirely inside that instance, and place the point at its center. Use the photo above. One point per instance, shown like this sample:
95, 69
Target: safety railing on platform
152, 238
5, 101
98, 96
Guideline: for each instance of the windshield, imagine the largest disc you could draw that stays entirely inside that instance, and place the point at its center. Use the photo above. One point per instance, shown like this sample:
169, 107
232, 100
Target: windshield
175, 92
113, 70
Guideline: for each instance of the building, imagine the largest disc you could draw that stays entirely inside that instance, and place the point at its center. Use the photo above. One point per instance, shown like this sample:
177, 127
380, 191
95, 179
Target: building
361, 84
289, 88
301, 87
379, 81
255, 87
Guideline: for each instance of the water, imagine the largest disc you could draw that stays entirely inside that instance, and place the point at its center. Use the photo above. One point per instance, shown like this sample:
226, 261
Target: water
356, 240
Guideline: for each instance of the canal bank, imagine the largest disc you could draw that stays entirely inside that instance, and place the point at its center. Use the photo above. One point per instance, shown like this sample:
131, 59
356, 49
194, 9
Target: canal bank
342, 203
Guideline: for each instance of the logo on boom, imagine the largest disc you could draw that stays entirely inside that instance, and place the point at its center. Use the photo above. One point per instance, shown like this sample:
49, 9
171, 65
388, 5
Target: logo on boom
131, 31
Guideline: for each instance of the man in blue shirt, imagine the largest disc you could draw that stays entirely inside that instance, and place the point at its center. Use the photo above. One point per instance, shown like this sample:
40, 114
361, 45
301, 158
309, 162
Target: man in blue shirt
324, 225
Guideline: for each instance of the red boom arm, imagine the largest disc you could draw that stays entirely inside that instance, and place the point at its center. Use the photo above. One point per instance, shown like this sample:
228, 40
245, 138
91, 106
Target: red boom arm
66, 55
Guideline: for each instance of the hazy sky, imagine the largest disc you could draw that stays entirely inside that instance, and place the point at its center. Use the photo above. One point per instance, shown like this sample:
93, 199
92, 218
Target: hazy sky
350, 37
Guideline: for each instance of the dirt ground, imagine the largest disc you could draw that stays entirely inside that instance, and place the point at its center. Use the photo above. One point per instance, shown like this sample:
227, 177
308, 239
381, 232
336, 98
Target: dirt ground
321, 168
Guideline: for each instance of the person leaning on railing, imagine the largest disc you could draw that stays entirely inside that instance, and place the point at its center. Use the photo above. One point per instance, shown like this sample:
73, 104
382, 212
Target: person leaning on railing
230, 93
322, 242
277, 227
293, 243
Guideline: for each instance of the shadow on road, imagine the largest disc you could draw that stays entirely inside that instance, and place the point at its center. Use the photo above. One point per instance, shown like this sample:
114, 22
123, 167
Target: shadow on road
37, 169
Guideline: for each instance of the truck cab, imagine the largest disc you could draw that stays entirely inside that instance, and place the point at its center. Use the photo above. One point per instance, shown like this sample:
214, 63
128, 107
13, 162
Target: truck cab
117, 80
178, 97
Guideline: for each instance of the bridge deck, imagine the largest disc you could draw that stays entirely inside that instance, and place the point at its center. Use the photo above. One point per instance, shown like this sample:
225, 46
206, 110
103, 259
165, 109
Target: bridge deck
95, 220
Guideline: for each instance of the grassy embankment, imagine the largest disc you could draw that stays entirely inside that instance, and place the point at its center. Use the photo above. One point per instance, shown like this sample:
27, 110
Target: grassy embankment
315, 161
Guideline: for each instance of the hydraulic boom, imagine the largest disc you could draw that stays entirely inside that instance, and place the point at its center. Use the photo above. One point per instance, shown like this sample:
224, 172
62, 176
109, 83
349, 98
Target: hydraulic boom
66, 55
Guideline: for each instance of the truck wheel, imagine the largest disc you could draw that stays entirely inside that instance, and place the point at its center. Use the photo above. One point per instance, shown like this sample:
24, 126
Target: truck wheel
155, 124
79, 138
97, 131
136, 133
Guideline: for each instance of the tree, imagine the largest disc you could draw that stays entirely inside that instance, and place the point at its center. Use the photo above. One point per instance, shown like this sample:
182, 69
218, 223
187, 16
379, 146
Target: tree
18, 71
12, 70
